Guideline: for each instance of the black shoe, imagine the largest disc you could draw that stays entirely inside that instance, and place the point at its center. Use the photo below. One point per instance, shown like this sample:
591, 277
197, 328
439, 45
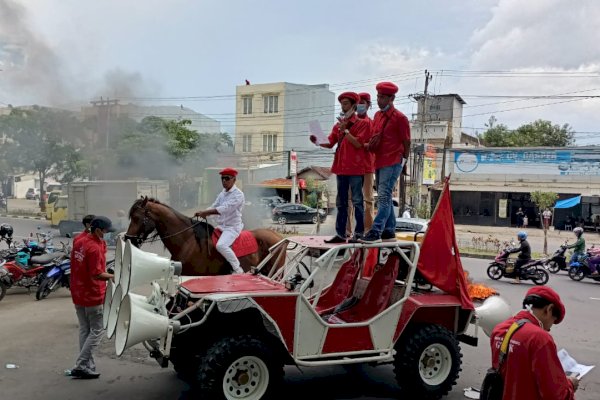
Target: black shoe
336, 239
370, 237
388, 236
355, 238
89, 375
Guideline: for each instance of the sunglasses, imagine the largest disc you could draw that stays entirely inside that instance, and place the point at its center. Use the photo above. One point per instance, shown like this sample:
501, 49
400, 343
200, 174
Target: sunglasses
226, 178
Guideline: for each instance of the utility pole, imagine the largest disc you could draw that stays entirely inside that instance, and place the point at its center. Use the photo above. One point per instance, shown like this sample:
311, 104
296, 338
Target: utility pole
419, 147
103, 114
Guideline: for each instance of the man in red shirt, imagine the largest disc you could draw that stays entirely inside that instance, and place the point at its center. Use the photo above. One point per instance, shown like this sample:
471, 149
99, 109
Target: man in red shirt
88, 287
87, 221
349, 134
531, 369
390, 142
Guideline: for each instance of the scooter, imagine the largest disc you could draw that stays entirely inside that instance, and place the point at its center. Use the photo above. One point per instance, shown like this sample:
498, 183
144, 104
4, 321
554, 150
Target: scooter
503, 267
59, 276
558, 261
580, 269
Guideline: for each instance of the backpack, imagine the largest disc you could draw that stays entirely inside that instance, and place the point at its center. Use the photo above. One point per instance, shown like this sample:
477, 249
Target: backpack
493, 383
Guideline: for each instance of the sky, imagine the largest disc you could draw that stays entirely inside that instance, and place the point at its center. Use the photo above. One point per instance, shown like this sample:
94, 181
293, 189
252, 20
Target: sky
194, 53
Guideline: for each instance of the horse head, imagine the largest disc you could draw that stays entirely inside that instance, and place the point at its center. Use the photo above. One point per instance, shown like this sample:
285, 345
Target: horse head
141, 223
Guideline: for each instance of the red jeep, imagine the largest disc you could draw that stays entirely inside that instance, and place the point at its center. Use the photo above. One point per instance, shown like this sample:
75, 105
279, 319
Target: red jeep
231, 335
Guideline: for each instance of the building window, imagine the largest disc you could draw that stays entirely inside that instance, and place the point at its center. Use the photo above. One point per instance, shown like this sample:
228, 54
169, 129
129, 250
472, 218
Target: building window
434, 107
270, 142
271, 104
247, 104
246, 143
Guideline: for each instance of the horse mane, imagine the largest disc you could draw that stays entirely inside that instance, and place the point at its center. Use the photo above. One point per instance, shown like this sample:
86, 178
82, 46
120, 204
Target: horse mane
201, 228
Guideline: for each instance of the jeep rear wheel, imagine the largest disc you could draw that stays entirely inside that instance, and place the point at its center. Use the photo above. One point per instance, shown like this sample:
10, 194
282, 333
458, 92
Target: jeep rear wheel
241, 367
427, 362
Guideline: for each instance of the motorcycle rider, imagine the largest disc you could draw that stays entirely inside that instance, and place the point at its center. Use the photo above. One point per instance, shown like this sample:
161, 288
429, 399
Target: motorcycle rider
524, 256
579, 245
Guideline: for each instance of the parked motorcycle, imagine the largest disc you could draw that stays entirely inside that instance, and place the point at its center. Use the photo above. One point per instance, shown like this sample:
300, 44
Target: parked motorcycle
504, 267
558, 261
13, 273
580, 269
58, 276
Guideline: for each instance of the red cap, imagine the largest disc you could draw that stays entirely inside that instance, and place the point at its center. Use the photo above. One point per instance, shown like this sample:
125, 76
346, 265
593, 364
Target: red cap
350, 96
386, 88
229, 171
549, 294
365, 96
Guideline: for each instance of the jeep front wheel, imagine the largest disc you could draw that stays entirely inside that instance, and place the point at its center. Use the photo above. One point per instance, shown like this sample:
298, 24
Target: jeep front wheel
427, 362
241, 367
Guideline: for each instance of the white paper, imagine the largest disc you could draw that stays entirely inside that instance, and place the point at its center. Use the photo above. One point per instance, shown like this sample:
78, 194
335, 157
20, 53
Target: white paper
314, 127
471, 393
572, 367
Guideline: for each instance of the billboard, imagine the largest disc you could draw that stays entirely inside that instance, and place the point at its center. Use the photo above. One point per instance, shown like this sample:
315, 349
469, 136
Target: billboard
533, 162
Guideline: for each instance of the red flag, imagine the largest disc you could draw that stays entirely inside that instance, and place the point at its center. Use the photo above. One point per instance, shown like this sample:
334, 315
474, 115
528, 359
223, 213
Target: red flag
439, 261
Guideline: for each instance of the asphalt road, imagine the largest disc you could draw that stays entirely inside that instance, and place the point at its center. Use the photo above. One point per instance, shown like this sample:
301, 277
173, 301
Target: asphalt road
41, 338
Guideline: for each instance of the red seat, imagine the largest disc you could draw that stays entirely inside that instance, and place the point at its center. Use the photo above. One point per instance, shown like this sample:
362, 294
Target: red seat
341, 287
376, 297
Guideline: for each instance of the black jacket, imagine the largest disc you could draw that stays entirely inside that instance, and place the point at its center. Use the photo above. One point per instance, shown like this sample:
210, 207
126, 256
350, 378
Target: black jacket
524, 250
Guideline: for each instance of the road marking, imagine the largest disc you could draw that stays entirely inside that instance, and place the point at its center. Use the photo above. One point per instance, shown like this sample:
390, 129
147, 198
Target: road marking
594, 298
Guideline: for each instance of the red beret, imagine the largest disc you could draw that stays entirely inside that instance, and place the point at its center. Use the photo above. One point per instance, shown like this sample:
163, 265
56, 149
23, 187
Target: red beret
229, 171
350, 96
549, 294
365, 96
386, 88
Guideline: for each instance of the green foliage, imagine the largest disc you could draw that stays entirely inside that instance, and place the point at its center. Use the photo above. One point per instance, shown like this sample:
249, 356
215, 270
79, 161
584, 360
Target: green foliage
537, 133
543, 200
423, 210
315, 190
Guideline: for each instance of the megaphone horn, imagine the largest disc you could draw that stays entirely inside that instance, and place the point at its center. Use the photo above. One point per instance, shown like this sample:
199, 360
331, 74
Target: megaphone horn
119, 259
137, 324
113, 311
140, 268
110, 290
493, 311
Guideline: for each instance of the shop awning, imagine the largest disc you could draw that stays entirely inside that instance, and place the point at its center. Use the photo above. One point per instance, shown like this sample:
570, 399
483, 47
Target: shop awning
282, 183
568, 203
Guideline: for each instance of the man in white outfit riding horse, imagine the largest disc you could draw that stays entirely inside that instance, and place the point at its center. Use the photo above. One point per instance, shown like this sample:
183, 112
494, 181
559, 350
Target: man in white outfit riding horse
228, 207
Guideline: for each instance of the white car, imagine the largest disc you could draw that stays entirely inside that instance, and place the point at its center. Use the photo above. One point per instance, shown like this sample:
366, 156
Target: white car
411, 224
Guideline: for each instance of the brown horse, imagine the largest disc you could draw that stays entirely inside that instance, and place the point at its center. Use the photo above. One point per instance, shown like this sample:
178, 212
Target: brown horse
189, 241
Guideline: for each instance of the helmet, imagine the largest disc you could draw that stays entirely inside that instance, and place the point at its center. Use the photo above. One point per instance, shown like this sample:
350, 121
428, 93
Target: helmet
578, 231
522, 235
6, 230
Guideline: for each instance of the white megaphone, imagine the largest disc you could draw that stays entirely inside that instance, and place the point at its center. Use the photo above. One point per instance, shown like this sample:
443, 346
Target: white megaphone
137, 323
110, 290
113, 311
141, 268
493, 311
119, 259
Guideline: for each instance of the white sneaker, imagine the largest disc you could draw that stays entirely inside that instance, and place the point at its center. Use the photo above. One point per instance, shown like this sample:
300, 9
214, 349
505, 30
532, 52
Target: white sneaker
238, 271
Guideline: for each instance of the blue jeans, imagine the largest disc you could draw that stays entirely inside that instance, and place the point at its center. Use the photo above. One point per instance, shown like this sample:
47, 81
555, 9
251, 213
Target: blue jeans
355, 184
385, 179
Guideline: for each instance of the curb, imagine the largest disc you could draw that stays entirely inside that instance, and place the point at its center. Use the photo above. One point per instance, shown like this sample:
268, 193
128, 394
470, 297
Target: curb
481, 256
22, 217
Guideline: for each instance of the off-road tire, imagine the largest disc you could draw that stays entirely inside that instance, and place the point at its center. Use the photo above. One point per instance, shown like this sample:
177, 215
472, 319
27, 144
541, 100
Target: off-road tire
223, 354
553, 267
440, 343
495, 272
3, 290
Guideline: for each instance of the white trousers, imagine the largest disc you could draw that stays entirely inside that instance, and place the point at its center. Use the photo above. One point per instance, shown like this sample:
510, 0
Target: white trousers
227, 238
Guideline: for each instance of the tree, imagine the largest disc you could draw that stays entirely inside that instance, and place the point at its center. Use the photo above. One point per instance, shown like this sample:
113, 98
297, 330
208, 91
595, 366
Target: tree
537, 133
544, 200
40, 139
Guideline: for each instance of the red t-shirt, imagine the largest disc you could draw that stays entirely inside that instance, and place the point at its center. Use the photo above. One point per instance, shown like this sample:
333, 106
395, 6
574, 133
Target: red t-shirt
369, 156
531, 369
349, 160
88, 260
397, 130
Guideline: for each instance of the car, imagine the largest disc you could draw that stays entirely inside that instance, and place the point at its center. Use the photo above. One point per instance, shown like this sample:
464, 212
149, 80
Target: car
272, 201
395, 203
292, 213
32, 194
412, 229
230, 336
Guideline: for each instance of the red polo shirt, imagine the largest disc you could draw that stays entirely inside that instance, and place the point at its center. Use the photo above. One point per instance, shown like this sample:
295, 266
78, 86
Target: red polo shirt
349, 160
369, 157
88, 260
396, 131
